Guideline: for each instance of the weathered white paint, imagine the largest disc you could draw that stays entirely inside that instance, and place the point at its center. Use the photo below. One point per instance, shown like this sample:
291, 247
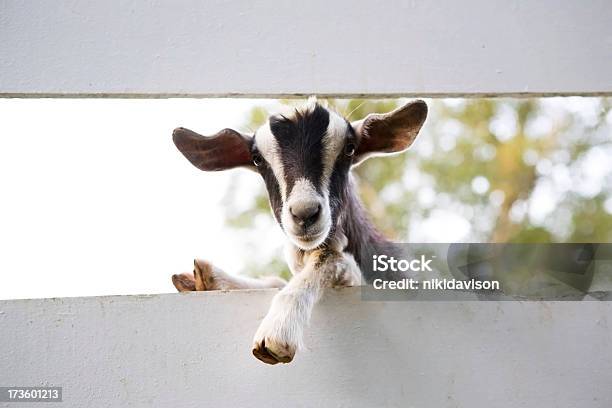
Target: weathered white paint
193, 350
272, 48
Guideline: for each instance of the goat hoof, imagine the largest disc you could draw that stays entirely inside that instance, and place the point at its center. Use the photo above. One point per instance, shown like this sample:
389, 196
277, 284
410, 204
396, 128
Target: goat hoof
273, 353
204, 277
183, 282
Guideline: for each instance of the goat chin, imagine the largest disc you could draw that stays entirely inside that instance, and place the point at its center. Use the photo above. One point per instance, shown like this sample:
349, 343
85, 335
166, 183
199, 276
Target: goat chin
308, 245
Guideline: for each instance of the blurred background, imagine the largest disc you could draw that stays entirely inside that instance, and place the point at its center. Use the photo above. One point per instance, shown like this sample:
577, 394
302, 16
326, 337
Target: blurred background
96, 199
482, 170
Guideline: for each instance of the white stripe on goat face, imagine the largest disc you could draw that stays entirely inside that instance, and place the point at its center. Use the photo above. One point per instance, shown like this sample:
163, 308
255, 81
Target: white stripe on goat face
333, 144
268, 147
309, 140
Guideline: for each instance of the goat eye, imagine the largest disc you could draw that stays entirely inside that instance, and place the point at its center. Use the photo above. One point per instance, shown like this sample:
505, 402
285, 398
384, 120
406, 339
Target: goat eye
257, 160
349, 149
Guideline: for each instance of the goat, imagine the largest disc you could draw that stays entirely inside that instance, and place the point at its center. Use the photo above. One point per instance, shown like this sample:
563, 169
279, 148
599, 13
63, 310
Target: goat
304, 157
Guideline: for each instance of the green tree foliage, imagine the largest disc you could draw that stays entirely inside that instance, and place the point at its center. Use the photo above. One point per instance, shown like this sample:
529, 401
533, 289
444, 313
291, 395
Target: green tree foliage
504, 170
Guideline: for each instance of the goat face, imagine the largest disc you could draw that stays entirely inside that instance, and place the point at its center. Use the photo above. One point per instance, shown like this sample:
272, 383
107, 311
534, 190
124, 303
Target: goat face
304, 157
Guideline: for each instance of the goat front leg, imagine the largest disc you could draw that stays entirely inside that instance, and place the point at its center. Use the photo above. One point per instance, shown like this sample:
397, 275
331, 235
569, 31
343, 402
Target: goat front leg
206, 276
280, 333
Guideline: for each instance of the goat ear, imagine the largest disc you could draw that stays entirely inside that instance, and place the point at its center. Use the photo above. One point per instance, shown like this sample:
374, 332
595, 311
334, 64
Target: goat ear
391, 132
225, 150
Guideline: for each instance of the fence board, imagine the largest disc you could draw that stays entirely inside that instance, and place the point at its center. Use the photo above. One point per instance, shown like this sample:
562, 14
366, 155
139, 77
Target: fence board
138, 48
194, 350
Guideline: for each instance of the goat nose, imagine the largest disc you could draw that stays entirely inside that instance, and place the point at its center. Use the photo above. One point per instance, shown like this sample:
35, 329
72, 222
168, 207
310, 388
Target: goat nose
305, 213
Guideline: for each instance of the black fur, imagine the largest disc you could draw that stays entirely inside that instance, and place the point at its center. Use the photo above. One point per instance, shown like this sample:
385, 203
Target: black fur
364, 239
300, 141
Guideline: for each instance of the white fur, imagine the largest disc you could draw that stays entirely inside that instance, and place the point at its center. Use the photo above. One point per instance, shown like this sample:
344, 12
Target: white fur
282, 328
221, 280
333, 143
268, 147
303, 190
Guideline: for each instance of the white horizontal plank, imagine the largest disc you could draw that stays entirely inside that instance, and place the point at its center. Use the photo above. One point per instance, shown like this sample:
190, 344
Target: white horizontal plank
144, 48
193, 350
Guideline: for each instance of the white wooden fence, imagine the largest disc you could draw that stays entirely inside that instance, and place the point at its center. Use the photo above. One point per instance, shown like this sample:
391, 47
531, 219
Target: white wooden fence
272, 48
194, 350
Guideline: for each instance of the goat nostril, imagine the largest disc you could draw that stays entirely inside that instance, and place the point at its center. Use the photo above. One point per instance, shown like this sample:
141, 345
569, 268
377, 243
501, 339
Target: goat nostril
314, 217
316, 213
305, 215
296, 217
